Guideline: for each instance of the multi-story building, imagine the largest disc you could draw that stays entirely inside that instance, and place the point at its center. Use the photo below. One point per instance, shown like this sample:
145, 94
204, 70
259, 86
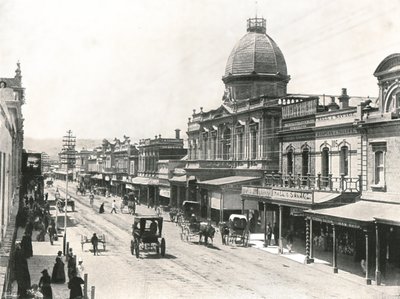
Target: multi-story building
12, 97
150, 152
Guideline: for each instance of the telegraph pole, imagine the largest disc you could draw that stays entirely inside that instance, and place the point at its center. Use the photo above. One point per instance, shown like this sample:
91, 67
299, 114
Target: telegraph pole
68, 158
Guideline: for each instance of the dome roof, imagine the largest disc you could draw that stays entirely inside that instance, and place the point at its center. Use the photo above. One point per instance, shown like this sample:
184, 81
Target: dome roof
256, 52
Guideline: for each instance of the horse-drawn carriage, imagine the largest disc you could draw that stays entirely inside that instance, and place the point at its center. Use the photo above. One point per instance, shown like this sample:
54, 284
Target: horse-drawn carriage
61, 204
100, 191
236, 231
147, 235
191, 224
129, 201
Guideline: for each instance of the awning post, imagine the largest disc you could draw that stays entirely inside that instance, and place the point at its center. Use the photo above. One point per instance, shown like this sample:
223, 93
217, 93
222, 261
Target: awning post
308, 259
265, 225
280, 230
377, 249
334, 262
368, 280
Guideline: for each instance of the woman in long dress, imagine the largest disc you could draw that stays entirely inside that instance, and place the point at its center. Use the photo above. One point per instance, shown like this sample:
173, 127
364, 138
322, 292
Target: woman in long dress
45, 285
58, 274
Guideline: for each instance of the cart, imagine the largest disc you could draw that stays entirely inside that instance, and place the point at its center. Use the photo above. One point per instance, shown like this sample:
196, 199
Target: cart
147, 235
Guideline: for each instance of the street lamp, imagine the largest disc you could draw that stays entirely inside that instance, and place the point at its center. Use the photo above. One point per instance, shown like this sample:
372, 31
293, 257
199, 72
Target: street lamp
68, 158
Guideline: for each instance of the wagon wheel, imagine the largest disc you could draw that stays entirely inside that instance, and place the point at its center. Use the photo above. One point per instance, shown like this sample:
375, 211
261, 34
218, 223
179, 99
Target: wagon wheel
158, 247
132, 247
137, 248
162, 247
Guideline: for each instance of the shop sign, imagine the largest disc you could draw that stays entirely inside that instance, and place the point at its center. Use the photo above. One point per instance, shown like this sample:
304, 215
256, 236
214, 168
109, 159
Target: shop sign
215, 199
165, 192
293, 195
296, 212
257, 191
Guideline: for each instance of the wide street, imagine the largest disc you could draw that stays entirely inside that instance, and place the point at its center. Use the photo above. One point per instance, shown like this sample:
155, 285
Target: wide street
190, 270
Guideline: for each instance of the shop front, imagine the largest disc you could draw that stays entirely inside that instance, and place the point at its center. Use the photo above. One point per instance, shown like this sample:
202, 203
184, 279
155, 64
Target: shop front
224, 197
364, 235
283, 210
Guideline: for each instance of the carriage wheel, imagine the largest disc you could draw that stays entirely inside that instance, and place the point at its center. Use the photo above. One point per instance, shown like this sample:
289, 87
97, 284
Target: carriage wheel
162, 247
158, 248
137, 249
132, 247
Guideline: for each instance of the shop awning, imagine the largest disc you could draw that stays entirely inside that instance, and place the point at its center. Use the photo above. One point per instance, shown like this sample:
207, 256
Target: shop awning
165, 192
97, 176
140, 181
130, 187
229, 180
358, 214
181, 179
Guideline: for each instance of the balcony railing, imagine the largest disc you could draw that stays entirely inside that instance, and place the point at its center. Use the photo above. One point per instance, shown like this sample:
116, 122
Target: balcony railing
319, 182
254, 164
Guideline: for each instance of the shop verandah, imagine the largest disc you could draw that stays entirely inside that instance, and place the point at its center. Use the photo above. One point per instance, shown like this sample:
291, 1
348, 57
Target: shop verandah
365, 233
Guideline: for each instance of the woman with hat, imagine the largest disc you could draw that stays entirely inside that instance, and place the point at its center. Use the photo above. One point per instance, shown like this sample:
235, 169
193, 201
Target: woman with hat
45, 285
58, 274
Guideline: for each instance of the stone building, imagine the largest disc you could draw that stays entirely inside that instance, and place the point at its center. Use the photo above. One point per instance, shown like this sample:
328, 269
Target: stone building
151, 151
12, 97
236, 143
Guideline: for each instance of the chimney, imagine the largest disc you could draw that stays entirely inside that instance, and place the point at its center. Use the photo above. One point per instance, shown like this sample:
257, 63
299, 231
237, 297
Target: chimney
159, 136
177, 131
344, 99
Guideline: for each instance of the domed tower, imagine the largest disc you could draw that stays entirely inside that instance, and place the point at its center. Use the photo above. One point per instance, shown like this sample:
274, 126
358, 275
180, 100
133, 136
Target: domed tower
256, 66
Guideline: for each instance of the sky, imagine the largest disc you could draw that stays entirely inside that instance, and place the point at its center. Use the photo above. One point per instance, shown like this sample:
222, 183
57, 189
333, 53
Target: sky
105, 69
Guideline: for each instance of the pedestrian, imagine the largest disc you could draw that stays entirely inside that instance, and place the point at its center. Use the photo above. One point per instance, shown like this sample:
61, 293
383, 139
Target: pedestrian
276, 234
80, 268
289, 239
269, 234
26, 246
58, 274
71, 263
91, 198
75, 286
101, 210
113, 206
52, 231
21, 272
45, 285
95, 243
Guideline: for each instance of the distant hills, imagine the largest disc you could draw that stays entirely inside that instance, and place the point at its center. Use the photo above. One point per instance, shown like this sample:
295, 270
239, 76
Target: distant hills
52, 146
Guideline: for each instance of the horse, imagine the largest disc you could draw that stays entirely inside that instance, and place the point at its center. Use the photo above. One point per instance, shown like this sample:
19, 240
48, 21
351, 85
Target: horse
224, 230
207, 231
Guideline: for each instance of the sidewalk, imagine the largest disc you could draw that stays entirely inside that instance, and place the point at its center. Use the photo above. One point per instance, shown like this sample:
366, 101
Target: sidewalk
257, 241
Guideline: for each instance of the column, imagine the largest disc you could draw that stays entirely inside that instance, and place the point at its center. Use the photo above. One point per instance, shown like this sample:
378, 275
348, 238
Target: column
178, 198
377, 252
209, 206
368, 280
222, 207
280, 230
311, 240
243, 206
148, 196
334, 259
265, 226
308, 259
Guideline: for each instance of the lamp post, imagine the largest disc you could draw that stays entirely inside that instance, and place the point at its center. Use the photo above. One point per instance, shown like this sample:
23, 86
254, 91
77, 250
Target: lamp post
68, 158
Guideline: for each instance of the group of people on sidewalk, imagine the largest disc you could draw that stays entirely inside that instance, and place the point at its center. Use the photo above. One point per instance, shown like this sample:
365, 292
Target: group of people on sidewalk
34, 215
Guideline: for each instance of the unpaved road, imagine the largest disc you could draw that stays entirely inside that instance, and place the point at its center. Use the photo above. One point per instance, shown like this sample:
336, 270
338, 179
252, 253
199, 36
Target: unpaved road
190, 270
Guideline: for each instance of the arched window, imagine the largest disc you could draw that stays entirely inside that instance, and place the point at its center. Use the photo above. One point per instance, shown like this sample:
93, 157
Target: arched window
379, 168
290, 161
305, 162
253, 136
205, 146
240, 149
344, 160
325, 164
226, 144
